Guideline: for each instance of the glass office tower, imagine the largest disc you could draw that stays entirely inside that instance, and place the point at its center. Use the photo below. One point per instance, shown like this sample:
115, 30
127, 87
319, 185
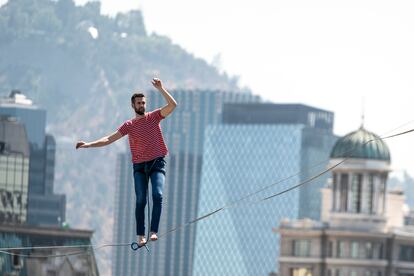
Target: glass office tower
14, 171
258, 145
44, 207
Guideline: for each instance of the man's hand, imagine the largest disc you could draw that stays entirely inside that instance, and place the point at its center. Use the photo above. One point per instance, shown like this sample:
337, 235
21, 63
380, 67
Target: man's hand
81, 144
157, 83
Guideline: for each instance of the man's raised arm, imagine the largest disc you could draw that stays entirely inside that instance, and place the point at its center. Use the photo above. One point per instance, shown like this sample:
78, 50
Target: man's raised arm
171, 103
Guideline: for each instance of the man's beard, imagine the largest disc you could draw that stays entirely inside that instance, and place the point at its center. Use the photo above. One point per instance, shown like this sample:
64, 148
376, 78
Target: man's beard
140, 110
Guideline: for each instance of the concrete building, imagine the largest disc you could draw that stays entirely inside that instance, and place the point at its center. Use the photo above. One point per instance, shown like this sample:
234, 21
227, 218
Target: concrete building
361, 231
70, 261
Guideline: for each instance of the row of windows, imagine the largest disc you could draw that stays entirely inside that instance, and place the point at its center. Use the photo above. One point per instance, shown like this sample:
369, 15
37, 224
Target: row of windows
13, 167
14, 177
356, 249
353, 249
358, 190
347, 272
304, 271
12, 217
14, 158
13, 203
344, 249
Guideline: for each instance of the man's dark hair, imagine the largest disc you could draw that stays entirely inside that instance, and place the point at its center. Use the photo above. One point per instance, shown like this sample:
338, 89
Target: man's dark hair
136, 95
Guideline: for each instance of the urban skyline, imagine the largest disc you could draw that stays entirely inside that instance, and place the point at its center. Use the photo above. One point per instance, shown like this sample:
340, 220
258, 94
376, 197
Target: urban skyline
349, 59
229, 120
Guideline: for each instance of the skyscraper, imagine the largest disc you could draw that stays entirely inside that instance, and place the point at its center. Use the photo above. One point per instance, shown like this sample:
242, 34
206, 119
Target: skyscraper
184, 135
14, 171
44, 207
256, 146
317, 140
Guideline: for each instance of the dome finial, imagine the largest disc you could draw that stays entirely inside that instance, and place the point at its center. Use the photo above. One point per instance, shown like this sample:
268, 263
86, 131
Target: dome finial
363, 113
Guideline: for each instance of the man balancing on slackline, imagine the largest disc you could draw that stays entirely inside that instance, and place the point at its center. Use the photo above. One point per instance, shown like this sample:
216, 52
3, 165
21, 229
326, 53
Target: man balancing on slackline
148, 151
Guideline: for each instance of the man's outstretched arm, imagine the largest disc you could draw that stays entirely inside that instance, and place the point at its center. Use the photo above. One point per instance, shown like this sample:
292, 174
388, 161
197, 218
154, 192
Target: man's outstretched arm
104, 141
171, 103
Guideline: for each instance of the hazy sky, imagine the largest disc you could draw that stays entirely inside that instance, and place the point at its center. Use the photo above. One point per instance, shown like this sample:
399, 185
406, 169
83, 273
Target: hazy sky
329, 54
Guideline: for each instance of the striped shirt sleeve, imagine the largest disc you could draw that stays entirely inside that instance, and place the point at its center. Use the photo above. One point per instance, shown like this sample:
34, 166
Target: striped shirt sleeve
157, 115
125, 128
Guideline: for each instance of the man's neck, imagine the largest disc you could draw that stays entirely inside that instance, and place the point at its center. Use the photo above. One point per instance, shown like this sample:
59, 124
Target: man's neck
137, 116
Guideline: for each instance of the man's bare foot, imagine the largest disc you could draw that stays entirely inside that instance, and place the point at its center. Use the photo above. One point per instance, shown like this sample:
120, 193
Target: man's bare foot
141, 241
153, 236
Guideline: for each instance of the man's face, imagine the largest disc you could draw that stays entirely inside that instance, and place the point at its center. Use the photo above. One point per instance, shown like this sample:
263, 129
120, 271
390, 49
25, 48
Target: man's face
139, 105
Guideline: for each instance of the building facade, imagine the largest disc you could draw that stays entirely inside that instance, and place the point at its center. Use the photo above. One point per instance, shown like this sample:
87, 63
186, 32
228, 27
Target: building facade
14, 171
77, 261
361, 231
44, 207
257, 146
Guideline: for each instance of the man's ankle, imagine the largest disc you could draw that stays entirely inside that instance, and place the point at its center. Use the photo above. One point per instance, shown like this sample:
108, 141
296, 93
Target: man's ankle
142, 240
153, 236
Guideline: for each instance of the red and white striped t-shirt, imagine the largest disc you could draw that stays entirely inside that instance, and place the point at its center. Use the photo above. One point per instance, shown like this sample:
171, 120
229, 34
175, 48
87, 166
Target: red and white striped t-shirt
145, 137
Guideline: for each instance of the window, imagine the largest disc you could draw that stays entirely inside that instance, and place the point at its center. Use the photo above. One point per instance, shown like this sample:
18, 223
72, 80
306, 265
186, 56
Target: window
356, 192
380, 250
330, 249
354, 249
339, 272
301, 248
344, 193
368, 250
373, 273
341, 249
17, 261
331, 272
407, 253
371, 194
301, 272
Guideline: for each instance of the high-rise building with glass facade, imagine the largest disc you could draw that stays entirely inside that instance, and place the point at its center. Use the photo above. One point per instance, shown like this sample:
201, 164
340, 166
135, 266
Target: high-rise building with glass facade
44, 207
317, 139
14, 171
257, 146
184, 135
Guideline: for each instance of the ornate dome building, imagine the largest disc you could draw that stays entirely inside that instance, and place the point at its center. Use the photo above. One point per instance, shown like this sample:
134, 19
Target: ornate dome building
362, 231
359, 184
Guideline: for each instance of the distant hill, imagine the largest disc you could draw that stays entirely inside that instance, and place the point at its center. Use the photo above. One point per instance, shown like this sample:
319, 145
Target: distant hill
82, 67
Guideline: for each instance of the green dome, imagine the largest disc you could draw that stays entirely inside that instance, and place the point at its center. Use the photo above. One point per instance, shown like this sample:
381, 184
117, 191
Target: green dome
355, 145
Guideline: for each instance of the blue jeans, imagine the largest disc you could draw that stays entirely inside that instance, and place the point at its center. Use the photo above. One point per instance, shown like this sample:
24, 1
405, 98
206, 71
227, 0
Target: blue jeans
143, 172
